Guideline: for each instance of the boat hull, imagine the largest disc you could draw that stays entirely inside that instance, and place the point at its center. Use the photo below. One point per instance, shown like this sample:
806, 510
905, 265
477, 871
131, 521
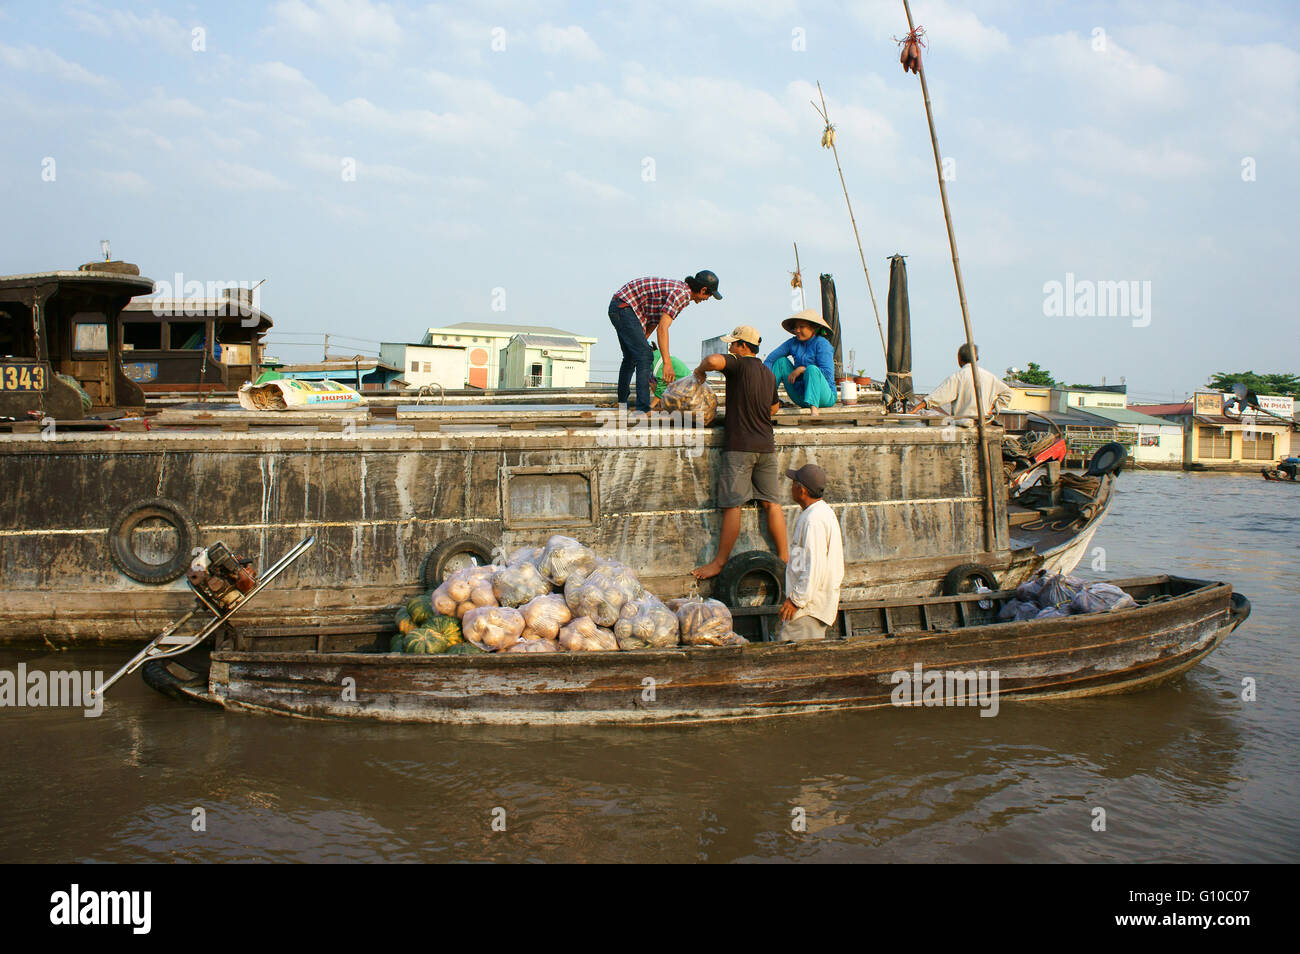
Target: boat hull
1070, 657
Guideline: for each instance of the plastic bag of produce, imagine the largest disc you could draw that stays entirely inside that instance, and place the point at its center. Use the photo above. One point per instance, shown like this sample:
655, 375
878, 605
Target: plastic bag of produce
1049, 611
1101, 598
533, 646
1030, 589
1059, 590
602, 593
544, 616
524, 555
1017, 609
493, 628
466, 589
562, 556
515, 585
584, 636
690, 395
646, 624
705, 623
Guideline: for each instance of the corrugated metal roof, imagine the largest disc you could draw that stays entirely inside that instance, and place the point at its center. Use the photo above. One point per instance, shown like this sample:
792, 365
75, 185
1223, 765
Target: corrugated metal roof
472, 326
550, 341
1183, 407
1122, 415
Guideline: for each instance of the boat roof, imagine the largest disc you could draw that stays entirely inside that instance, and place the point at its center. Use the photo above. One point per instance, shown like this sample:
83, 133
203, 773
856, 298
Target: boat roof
198, 308
142, 285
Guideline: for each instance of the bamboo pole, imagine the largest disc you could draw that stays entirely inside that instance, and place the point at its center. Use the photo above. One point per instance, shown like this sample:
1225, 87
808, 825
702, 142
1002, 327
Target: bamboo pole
986, 470
802, 298
826, 119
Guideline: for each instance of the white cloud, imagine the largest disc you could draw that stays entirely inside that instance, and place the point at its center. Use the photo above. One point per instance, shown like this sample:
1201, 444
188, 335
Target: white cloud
237, 175
338, 22
1111, 79
1099, 150
124, 181
31, 59
166, 32
594, 188
570, 41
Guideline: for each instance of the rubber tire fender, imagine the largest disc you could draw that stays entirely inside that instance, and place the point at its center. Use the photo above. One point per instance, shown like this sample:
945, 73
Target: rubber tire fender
958, 576
125, 559
1109, 459
1239, 609
434, 569
726, 586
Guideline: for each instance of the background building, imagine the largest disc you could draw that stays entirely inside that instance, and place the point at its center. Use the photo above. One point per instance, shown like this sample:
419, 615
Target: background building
544, 361
1217, 440
472, 354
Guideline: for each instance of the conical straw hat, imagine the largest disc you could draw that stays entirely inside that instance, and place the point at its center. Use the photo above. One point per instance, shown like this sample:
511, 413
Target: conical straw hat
809, 316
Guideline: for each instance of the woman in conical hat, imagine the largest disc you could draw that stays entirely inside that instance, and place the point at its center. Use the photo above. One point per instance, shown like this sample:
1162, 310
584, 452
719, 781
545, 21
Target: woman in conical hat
805, 364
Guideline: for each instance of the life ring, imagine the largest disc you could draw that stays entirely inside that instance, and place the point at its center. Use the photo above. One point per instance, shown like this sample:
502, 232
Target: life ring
122, 545
452, 554
752, 578
960, 579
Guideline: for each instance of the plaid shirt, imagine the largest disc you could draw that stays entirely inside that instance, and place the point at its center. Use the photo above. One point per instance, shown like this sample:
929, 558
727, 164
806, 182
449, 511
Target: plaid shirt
652, 298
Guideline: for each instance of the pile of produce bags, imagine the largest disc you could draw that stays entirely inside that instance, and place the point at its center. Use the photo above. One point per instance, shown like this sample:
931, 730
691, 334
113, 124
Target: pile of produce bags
1045, 596
560, 597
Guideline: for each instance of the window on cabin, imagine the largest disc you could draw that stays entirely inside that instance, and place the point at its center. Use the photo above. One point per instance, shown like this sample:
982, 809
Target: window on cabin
141, 336
89, 331
16, 331
186, 335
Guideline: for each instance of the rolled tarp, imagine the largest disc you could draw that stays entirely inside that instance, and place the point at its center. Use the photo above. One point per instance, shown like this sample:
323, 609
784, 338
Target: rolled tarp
898, 394
831, 315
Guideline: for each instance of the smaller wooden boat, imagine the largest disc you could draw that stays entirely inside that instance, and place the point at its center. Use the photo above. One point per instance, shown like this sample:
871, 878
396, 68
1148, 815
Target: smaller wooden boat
881, 650
1287, 470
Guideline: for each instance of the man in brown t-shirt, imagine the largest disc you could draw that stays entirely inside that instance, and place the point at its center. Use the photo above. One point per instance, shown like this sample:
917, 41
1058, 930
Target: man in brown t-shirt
749, 470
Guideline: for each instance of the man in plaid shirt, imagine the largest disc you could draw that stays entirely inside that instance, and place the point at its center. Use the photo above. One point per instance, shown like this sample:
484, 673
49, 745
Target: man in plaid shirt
643, 307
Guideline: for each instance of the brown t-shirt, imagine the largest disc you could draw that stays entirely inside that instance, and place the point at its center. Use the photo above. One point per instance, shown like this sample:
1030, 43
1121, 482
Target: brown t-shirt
751, 392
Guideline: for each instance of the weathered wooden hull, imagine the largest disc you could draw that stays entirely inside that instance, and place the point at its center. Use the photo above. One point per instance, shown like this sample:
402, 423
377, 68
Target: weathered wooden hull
1069, 657
379, 500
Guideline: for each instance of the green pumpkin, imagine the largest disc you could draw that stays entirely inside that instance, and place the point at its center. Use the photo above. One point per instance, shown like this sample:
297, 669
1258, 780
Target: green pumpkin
420, 610
425, 642
448, 627
464, 649
397, 642
403, 620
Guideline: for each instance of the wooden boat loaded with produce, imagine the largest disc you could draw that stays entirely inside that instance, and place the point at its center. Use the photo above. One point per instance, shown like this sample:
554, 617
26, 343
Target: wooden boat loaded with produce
922, 651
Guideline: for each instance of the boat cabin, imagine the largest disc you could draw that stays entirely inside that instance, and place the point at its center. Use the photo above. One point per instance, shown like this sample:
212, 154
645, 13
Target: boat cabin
193, 344
60, 337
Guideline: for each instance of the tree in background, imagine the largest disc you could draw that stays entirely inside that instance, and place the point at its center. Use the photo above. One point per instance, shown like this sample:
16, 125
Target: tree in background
1033, 374
1286, 385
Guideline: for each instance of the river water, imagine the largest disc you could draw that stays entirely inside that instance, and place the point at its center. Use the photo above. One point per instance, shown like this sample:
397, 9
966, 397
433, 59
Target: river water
1186, 772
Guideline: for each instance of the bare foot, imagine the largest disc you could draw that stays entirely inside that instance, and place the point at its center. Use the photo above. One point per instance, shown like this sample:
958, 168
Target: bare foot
707, 571
816, 411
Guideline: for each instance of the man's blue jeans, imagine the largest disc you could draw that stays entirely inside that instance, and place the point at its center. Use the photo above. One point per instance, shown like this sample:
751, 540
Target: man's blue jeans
637, 355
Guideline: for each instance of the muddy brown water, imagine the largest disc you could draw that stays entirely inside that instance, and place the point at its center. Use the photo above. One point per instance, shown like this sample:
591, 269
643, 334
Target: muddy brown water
1186, 772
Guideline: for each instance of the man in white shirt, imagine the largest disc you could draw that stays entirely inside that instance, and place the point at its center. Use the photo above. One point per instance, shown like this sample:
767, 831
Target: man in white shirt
816, 568
958, 390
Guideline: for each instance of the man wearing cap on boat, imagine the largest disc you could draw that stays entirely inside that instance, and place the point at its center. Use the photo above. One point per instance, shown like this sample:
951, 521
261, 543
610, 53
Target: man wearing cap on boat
805, 363
643, 307
749, 470
816, 567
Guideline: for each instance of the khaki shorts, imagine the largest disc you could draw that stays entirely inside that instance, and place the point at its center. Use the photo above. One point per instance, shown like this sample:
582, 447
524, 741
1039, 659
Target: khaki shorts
747, 477
803, 627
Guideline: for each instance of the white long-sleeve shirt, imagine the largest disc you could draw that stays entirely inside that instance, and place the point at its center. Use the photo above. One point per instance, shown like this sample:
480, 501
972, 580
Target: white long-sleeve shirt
958, 390
816, 568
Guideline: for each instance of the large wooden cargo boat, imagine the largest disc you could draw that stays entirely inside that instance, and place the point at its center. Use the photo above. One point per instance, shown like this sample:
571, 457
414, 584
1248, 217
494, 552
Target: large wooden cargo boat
883, 653
102, 516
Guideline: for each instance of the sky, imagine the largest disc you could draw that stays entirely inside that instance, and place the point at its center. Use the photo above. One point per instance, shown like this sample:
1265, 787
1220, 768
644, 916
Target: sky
387, 167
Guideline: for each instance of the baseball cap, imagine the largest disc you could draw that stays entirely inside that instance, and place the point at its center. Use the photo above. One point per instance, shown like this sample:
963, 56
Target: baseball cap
811, 476
706, 279
744, 333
